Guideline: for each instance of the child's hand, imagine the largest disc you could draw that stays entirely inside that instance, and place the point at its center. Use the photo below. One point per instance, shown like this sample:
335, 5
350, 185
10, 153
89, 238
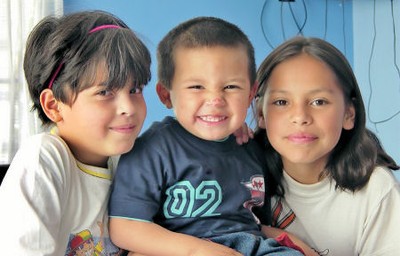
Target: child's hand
243, 134
271, 232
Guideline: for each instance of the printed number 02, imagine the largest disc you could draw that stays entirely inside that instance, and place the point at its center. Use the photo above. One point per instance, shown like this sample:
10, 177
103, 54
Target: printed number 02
182, 197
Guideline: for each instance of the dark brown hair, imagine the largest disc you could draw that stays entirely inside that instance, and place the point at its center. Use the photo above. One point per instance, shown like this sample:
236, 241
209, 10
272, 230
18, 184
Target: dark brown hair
358, 151
67, 40
201, 32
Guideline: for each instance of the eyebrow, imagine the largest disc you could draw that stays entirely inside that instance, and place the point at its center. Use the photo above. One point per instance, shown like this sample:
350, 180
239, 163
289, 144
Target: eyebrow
314, 91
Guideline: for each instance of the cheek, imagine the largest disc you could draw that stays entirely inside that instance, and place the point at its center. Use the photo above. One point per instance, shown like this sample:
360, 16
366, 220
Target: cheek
96, 116
79, 116
240, 107
336, 130
269, 125
142, 110
332, 125
270, 118
275, 125
97, 119
180, 101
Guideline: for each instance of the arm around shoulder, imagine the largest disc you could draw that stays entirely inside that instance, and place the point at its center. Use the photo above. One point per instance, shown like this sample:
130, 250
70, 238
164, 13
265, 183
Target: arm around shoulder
147, 238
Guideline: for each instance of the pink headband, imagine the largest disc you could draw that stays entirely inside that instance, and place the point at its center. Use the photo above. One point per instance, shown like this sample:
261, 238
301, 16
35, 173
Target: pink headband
101, 27
98, 28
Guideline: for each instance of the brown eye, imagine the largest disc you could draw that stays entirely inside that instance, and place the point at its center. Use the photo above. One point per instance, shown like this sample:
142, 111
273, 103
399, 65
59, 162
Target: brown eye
104, 92
196, 87
231, 86
319, 102
137, 89
280, 102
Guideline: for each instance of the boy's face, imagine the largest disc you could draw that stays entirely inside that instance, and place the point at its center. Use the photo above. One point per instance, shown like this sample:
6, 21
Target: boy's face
210, 91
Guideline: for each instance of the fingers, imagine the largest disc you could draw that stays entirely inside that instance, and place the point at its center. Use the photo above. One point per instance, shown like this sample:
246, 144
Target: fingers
135, 254
215, 249
243, 134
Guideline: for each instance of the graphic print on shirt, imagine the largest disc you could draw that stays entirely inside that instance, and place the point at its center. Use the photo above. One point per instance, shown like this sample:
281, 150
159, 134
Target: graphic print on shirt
282, 215
184, 200
256, 186
83, 244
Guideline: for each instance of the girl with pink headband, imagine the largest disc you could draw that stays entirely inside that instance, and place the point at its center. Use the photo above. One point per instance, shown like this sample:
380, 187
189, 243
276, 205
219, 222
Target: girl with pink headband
85, 72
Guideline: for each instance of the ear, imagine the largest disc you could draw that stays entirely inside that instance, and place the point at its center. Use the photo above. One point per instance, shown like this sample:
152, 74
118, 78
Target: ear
50, 105
261, 120
259, 111
164, 95
253, 92
349, 117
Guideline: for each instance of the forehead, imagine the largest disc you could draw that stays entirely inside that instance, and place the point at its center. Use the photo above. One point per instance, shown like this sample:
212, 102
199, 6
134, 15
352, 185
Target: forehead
210, 54
212, 62
98, 74
223, 49
95, 73
302, 77
305, 71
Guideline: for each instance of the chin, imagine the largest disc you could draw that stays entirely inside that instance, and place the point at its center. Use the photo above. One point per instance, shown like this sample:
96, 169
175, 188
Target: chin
123, 149
213, 138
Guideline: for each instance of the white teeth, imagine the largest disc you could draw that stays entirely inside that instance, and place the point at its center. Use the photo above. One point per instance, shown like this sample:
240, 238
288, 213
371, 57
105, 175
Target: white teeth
212, 118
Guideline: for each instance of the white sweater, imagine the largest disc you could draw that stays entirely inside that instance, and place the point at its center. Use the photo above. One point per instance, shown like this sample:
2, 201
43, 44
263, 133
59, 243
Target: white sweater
342, 223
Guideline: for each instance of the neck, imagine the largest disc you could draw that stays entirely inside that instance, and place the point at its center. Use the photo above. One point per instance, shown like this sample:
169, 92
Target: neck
304, 173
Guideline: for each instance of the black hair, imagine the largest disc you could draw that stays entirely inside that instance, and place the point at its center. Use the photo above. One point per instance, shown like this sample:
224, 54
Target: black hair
66, 43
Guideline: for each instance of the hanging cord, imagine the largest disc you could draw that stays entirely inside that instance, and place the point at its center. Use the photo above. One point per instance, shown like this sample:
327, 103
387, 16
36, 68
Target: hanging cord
282, 26
262, 25
370, 67
394, 41
326, 19
299, 28
344, 28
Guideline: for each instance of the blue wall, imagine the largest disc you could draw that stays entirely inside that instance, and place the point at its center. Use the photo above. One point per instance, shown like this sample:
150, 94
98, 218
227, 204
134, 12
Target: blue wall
376, 65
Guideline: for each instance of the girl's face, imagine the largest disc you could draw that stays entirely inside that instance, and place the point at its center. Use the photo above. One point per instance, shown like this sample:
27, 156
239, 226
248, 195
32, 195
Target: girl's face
210, 91
102, 123
304, 112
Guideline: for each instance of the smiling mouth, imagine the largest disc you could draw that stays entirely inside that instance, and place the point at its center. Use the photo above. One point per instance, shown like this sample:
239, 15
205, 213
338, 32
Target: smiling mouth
124, 129
212, 119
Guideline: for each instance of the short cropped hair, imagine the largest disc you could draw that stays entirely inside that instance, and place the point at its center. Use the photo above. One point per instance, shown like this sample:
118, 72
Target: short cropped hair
201, 32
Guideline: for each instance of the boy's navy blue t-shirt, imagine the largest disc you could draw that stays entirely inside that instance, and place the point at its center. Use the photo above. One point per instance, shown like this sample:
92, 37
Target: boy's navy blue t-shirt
189, 185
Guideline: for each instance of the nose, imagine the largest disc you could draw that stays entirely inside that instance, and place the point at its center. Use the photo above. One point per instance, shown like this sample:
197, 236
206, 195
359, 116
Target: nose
300, 115
126, 105
215, 100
